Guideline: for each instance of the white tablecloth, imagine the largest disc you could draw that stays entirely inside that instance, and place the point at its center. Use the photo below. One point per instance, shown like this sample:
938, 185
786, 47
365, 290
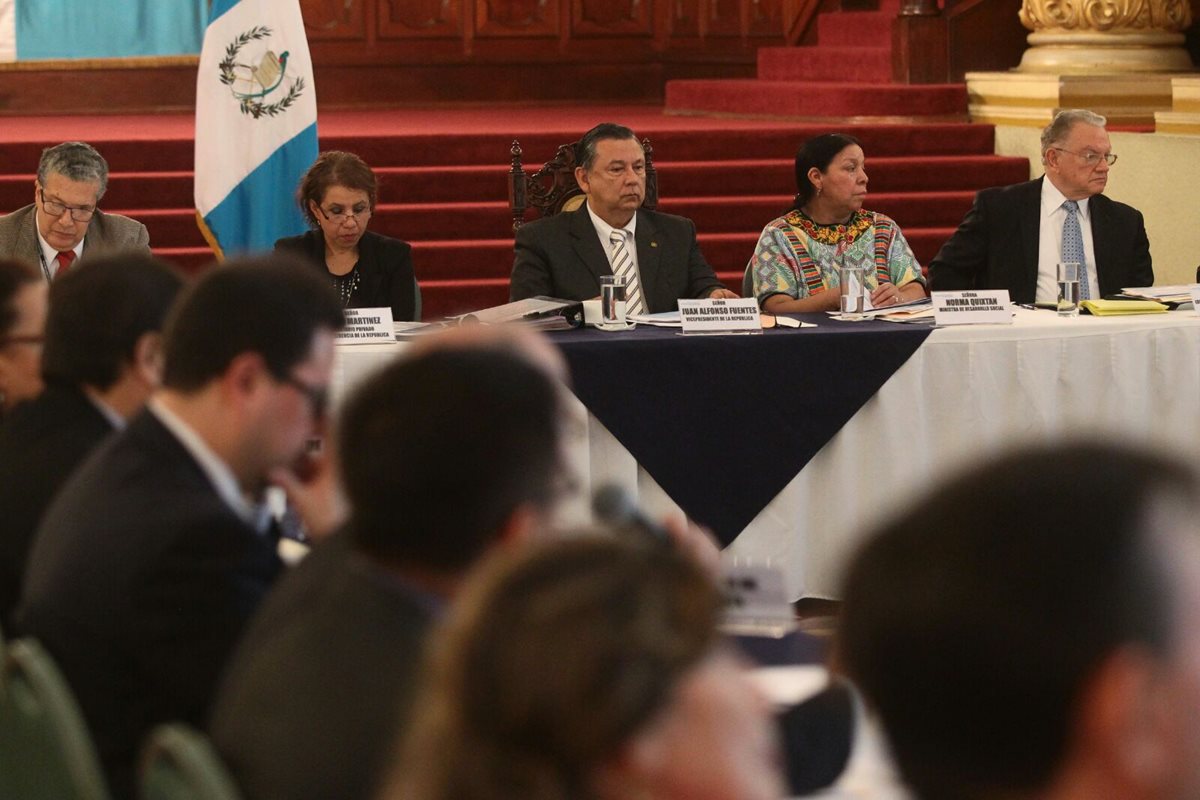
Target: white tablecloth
967, 393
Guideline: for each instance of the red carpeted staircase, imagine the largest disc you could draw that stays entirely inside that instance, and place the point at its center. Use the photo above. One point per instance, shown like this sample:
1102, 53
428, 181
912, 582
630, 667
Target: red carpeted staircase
444, 180
847, 73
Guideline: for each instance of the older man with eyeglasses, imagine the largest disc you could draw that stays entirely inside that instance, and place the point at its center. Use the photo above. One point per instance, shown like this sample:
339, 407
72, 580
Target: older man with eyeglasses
63, 221
1015, 236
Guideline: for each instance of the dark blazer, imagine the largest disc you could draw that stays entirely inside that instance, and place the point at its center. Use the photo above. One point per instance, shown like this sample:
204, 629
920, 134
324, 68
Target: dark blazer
384, 263
139, 584
106, 233
318, 691
41, 443
561, 256
996, 246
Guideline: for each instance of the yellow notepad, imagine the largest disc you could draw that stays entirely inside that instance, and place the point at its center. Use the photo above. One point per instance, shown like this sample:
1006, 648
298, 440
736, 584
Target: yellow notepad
1110, 308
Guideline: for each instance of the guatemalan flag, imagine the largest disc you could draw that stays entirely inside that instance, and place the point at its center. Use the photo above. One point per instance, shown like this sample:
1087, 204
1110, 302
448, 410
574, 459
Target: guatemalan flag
256, 124
61, 29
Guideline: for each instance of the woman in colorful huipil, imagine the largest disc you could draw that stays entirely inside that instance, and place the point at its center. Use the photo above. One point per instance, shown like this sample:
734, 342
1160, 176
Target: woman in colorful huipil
798, 255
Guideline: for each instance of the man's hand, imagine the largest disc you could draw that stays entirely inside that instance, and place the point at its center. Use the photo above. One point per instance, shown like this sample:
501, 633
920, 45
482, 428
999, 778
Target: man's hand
723, 294
314, 489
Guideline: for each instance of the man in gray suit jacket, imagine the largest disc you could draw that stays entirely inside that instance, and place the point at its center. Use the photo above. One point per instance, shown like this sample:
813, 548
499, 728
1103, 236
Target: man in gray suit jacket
63, 221
565, 255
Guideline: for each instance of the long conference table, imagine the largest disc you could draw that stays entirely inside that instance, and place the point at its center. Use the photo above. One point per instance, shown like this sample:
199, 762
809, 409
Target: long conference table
791, 445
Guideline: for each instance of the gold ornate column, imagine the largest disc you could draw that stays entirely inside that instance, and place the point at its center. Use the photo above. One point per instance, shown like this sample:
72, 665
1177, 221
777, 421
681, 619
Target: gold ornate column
1109, 36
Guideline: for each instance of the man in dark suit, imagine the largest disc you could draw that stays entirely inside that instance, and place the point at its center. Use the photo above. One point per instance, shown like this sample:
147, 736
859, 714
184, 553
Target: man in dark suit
1013, 237
156, 551
102, 359
565, 255
447, 455
1048, 655
63, 221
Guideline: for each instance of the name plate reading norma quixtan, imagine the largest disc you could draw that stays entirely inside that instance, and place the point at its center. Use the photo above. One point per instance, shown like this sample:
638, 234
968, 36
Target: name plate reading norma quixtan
367, 325
720, 316
989, 306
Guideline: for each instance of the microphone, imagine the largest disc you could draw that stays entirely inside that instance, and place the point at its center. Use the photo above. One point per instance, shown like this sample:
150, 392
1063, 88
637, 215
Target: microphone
614, 506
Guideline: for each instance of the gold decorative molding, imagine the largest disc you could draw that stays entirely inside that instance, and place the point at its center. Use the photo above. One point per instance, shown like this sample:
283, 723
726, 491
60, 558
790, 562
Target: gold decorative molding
1107, 36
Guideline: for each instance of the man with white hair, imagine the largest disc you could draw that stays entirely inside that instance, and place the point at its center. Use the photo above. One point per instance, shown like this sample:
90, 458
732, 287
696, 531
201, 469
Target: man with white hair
1014, 236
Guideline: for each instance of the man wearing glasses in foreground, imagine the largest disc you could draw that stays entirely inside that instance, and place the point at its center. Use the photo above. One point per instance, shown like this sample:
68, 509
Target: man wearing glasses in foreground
1014, 236
63, 219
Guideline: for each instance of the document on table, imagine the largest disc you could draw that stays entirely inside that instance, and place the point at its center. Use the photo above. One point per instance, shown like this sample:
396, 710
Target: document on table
663, 319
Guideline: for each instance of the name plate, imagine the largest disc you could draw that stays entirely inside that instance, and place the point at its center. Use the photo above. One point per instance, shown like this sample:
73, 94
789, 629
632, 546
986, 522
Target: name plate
720, 316
1196, 298
972, 308
367, 325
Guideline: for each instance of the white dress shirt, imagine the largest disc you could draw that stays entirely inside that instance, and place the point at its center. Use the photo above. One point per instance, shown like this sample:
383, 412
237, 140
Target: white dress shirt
1050, 225
604, 231
49, 254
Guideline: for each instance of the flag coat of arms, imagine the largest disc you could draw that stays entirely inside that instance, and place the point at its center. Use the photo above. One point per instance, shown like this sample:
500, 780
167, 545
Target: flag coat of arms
256, 124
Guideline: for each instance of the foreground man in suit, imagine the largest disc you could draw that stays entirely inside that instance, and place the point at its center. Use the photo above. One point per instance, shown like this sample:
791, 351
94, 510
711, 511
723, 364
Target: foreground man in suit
1014, 236
102, 359
63, 221
565, 255
156, 552
1048, 656
447, 455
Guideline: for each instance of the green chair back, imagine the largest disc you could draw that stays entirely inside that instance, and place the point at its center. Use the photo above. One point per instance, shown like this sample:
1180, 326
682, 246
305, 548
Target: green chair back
45, 748
179, 763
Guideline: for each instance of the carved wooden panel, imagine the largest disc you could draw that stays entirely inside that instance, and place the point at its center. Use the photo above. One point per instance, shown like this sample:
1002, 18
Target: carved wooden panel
421, 19
333, 19
683, 18
765, 18
723, 18
610, 17
516, 17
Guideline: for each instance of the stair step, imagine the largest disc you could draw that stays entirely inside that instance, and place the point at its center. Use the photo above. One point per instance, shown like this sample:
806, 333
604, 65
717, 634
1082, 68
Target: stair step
815, 99
834, 63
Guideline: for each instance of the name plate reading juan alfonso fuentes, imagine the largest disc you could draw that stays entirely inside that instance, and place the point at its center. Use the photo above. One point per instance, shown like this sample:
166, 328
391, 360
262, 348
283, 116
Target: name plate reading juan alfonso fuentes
720, 316
365, 325
990, 306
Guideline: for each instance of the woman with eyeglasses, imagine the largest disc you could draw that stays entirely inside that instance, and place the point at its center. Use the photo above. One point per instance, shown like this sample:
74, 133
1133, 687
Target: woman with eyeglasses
367, 269
22, 325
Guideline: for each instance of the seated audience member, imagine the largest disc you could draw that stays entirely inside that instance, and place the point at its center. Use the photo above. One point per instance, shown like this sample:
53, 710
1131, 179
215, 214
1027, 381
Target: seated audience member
1014, 236
102, 359
565, 255
155, 553
795, 264
1032, 630
588, 668
63, 223
22, 322
368, 270
446, 454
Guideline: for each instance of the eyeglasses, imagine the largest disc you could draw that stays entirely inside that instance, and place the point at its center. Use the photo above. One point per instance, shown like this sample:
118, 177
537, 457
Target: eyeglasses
317, 396
341, 217
56, 209
1090, 158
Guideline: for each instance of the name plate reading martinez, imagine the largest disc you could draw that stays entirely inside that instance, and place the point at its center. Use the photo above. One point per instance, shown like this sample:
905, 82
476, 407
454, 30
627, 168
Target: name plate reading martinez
972, 308
364, 325
720, 316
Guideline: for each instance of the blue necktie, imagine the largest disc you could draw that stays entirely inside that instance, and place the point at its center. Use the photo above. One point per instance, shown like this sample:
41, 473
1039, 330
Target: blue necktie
1072, 246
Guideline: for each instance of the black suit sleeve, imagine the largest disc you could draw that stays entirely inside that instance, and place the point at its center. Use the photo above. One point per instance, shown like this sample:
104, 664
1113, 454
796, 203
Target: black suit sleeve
962, 260
702, 280
1143, 270
531, 267
404, 288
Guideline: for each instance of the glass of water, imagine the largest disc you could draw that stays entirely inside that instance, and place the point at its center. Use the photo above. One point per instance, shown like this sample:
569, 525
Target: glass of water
852, 280
1068, 288
612, 302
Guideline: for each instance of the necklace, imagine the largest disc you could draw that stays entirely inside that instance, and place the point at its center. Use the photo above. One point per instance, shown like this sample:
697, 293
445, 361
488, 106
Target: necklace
346, 285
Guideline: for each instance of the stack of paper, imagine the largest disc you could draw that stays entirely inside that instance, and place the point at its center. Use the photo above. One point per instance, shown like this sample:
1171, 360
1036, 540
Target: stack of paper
1178, 293
1110, 308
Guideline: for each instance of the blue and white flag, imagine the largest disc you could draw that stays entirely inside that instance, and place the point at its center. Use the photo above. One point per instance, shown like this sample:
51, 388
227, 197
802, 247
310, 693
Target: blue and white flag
60, 29
256, 124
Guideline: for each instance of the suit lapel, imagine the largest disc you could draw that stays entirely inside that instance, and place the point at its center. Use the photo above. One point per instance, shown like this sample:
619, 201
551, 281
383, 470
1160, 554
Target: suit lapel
1102, 246
587, 244
1030, 221
649, 253
29, 249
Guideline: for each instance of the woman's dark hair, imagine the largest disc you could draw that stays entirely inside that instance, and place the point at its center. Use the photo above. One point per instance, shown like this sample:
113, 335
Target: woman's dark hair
817, 152
335, 168
13, 277
554, 658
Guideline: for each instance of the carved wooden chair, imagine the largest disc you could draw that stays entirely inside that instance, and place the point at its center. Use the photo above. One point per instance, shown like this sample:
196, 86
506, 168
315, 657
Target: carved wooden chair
553, 188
